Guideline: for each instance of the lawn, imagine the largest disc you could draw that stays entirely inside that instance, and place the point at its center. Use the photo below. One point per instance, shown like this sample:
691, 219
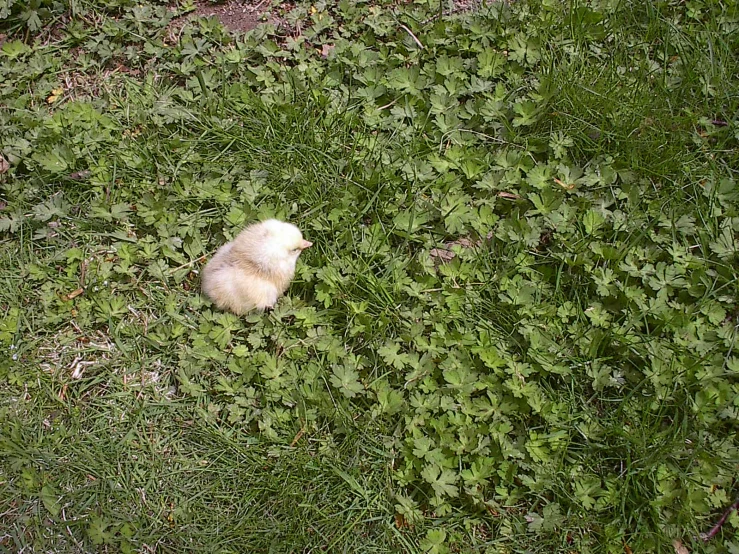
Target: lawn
515, 331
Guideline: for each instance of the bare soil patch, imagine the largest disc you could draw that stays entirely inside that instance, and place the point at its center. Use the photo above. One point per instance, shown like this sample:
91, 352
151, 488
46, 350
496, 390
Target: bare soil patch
235, 15
245, 15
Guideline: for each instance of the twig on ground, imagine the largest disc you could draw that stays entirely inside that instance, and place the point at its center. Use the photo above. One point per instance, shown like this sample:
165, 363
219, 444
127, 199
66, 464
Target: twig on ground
705, 537
298, 437
414, 37
386, 106
79, 366
257, 7
191, 262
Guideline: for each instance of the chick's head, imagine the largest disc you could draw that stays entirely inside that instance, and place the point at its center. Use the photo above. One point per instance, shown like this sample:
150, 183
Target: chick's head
283, 241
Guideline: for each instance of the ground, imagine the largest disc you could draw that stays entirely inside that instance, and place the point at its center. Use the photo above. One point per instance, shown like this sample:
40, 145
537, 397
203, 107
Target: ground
515, 331
235, 16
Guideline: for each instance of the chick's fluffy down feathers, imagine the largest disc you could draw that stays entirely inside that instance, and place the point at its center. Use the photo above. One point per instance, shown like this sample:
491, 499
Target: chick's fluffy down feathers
252, 271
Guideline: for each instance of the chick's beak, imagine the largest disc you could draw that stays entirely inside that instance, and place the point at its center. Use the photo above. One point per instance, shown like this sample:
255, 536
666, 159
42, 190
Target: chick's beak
305, 244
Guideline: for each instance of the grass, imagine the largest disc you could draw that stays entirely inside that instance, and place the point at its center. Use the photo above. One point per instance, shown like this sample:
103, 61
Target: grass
178, 485
565, 382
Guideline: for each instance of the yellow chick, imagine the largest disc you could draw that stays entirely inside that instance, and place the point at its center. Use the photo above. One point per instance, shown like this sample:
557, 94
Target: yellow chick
252, 271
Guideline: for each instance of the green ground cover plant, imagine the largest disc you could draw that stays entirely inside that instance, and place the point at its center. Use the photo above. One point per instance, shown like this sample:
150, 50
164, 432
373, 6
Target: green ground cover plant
516, 329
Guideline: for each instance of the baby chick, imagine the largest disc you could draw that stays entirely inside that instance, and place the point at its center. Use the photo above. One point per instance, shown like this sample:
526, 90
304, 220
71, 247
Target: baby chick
254, 269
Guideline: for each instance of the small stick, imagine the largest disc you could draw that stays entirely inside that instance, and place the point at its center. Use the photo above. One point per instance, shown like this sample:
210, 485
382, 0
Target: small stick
256, 8
191, 262
79, 368
297, 437
414, 37
705, 537
83, 271
387, 105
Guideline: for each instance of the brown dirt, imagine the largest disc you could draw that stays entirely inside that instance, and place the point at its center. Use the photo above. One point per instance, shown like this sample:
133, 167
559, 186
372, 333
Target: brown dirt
235, 15
245, 15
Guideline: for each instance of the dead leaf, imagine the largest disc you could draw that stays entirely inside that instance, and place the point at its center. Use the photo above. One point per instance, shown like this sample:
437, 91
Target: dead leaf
679, 548
55, 95
564, 185
80, 175
627, 549
326, 49
464, 242
400, 521
4, 165
443, 254
493, 512
509, 195
73, 294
